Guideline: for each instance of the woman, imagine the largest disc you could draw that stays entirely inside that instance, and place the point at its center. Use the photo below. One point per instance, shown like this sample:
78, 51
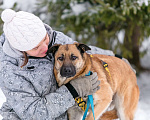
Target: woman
26, 73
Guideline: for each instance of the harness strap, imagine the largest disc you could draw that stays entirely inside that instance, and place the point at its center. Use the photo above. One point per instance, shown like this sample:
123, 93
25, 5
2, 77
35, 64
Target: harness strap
118, 56
106, 67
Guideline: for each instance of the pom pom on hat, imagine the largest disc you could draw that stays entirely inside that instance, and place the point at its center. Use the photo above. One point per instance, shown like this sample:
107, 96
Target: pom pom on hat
23, 30
8, 15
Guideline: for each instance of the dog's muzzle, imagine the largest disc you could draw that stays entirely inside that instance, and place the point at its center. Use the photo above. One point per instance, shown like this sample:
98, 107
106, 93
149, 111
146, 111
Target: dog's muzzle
67, 71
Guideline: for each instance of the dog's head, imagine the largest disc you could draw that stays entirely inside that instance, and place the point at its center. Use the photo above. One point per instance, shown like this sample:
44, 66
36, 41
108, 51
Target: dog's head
69, 60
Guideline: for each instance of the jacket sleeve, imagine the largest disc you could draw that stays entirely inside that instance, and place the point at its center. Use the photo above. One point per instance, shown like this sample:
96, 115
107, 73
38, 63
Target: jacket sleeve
61, 38
26, 102
96, 50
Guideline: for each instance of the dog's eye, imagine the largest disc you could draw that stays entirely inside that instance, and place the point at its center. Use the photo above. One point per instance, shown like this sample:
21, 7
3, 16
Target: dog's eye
60, 58
73, 57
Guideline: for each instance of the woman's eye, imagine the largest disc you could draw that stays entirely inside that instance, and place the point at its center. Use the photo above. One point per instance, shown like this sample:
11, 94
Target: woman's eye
73, 57
35, 48
60, 58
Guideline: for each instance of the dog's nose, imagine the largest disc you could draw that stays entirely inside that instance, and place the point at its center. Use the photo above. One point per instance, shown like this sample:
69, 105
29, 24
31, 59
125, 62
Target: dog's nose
67, 71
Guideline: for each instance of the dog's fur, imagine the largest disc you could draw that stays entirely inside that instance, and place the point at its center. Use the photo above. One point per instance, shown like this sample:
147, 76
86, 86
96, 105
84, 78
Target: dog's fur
119, 88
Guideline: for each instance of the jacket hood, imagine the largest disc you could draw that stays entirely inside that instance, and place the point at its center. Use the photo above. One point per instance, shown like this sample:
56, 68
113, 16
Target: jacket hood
12, 52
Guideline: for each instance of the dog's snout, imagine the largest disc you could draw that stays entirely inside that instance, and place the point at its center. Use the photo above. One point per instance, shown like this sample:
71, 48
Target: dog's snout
67, 71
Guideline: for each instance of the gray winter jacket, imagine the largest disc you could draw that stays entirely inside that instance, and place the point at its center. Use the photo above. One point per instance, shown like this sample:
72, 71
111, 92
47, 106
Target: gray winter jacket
31, 92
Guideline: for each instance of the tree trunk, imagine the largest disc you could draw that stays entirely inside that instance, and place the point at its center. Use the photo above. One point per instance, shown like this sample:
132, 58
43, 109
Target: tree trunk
135, 46
131, 43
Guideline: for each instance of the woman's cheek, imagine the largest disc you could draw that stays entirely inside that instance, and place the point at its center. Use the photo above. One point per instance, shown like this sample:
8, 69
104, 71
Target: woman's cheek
37, 52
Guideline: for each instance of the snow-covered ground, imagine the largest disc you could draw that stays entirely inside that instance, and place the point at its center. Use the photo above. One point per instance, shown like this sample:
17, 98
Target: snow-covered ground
143, 111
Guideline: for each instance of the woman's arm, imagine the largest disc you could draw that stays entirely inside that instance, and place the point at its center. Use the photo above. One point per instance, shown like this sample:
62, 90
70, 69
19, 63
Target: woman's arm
96, 50
26, 101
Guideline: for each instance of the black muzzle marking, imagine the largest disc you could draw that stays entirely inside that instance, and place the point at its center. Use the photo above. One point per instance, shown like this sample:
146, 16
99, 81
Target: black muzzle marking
67, 71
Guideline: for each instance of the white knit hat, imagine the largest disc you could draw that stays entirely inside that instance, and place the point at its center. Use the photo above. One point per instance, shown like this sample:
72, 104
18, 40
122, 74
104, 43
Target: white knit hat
23, 30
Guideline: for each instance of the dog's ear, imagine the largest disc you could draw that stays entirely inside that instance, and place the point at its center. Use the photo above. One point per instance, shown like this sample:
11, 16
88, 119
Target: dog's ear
82, 47
53, 49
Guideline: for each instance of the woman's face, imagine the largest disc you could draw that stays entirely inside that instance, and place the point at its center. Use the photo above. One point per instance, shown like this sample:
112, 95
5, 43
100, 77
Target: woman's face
41, 49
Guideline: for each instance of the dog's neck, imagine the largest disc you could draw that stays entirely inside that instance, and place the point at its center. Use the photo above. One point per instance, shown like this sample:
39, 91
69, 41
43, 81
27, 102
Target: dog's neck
88, 64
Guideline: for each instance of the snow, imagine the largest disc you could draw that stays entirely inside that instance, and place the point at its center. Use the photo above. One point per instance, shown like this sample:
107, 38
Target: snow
143, 2
79, 8
146, 58
143, 111
25, 5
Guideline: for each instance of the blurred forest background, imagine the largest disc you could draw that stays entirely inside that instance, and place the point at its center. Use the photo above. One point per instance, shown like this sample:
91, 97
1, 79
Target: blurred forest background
117, 25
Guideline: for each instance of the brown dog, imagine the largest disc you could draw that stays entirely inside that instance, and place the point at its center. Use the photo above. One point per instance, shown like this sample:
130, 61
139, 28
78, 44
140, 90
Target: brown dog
118, 85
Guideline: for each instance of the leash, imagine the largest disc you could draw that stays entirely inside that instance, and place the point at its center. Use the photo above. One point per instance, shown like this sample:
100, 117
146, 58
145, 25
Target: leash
89, 101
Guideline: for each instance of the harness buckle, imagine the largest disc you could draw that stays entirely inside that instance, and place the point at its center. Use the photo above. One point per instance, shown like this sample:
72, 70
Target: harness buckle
81, 103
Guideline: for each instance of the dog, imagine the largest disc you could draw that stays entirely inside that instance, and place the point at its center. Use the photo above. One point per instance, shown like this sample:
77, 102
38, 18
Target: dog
118, 85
